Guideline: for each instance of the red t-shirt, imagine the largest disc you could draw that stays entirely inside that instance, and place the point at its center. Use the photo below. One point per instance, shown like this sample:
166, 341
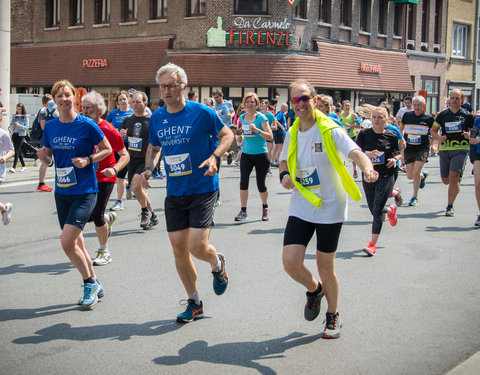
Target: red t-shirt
116, 141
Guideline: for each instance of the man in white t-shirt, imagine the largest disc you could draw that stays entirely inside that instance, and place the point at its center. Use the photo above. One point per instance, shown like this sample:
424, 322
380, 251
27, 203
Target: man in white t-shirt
6, 152
322, 212
407, 107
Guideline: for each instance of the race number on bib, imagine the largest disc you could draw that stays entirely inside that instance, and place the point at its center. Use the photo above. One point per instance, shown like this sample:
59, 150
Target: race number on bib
178, 165
453, 127
378, 160
66, 177
308, 177
135, 143
414, 139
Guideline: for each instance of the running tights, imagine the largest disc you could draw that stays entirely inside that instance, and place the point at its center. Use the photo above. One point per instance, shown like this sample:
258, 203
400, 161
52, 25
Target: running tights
377, 194
261, 162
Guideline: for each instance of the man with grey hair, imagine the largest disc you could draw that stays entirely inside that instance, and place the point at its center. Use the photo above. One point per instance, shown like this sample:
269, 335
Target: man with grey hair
416, 126
93, 107
186, 132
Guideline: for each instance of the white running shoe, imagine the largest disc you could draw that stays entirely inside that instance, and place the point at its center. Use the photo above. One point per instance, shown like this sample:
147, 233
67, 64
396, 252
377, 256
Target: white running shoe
7, 214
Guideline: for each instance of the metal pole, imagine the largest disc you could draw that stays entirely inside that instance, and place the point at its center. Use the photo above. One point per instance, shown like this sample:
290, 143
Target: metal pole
5, 15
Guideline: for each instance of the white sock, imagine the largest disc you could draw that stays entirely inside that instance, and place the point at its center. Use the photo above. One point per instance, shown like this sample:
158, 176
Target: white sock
103, 247
217, 267
195, 297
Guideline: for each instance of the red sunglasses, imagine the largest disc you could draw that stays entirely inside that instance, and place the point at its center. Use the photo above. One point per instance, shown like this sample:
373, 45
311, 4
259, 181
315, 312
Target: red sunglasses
303, 98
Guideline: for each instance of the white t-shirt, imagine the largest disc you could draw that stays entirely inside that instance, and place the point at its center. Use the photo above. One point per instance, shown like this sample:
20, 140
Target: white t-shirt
5, 146
402, 111
317, 174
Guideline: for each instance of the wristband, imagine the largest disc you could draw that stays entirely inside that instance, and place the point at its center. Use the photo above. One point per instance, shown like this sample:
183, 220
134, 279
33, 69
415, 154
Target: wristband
217, 157
116, 172
90, 159
283, 174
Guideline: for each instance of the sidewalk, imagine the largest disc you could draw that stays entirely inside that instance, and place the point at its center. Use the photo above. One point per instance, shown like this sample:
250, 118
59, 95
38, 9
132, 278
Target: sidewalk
29, 174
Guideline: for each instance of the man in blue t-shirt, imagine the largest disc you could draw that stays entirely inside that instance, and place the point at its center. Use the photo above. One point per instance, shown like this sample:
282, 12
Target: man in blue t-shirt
185, 130
225, 111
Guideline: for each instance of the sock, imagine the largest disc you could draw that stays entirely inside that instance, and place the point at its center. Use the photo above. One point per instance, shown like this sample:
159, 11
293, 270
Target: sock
145, 209
244, 209
449, 206
195, 297
218, 266
317, 291
41, 183
264, 205
103, 247
153, 215
119, 201
90, 280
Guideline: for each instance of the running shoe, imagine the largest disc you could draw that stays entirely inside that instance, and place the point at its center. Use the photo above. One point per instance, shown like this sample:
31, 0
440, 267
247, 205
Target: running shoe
157, 176
230, 157
242, 216
22, 169
154, 219
101, 293
333, 324
7, 214
355, 173
112, 217
12, 170
398, 198
129, 193
102, 258
269, 173
220, 278
392, 216
477, 223
413, 202
312, 307
218, 203
370, 250
145, 216
191, 313
117, 206
266, 214
450, 212
237, 163
45, 188
90, 294
423, 181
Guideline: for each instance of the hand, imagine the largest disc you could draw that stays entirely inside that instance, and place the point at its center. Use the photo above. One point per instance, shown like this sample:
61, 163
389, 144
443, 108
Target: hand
80, 162
253, 128
373, 154
2, 160
123, 132
109, 172
144, 176
16, 125
287, 182
211, 164
465, 134
239, 131
370, 175
391, 162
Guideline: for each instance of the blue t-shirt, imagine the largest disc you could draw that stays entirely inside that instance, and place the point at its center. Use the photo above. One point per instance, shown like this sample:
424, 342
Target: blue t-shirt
186, 138
335, 119
67, 141
116, 117
280, 116
253, 143
476, 124
223, 110
395, 129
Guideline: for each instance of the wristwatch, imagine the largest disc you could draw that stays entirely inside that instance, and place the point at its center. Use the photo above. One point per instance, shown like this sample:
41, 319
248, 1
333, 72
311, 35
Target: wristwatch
217, 157
148, 169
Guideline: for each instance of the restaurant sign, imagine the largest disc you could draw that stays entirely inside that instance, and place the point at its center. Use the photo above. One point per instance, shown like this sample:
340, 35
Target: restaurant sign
95, 63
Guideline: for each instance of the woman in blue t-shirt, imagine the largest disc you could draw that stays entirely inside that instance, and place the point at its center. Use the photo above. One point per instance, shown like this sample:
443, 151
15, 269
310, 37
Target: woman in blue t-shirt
76, 144
475, 160
256, 131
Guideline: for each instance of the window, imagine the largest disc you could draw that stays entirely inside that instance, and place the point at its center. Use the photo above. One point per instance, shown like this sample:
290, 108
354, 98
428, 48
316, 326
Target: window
129, 10
410, 21
53, 13
365, 15
478, 49
102, 11
301, 9
425, 20
196, 8
76, 12
398, 20
460, 41
158, 9
325, 11
431, 85
438, 24
251, 7
346, 13
382, 16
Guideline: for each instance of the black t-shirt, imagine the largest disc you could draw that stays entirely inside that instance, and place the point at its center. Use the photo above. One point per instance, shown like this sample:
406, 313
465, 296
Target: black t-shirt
417, 130
452, 125
137, 135
387, 143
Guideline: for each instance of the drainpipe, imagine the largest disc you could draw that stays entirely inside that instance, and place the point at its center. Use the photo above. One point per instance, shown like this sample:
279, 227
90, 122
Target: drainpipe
5, 60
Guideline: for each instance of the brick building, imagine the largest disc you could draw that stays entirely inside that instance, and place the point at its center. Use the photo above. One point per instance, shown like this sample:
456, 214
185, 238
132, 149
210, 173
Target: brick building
351, 49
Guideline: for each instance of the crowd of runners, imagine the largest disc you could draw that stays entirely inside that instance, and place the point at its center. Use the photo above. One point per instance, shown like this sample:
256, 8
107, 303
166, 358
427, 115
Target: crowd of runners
308, 140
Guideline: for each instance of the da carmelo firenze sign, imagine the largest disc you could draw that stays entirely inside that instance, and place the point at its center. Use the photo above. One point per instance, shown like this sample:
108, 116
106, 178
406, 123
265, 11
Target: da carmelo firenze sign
248, 32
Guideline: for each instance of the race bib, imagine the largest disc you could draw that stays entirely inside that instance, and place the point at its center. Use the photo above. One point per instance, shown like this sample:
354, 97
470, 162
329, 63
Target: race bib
247, 132
66, 177
178, 165
453, 127
135, 144
378, 160
414, 139
308, 177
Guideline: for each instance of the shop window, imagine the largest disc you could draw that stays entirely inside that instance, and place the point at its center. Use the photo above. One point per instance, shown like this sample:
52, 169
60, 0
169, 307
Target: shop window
76, 12
438, 21
102, 11
196, 8
460, 35
158, 9
301, 9
53, 13
129, 10
251, 6
382, 16
398, 20
431, 85
325, 11
365, 15
346, 13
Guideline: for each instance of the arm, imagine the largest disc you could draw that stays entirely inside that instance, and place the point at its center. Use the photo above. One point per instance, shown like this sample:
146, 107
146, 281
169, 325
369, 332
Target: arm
266, 133
151, 159
436, 135
121, 163
8, 155
104, 150
226, 139
365, 164
286, 179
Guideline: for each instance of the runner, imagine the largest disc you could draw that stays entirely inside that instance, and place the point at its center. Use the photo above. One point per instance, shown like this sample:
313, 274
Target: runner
474, 138
256, 131
350, 121
7, 151
71, 139
381, 146
310, 164
183, 129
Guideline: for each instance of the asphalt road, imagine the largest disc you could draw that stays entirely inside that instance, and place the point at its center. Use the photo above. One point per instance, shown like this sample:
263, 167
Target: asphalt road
411, 309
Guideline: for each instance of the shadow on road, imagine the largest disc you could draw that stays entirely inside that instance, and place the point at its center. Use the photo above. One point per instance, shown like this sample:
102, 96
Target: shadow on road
450, 229
51, 269
121, 332
242, 354
22, 314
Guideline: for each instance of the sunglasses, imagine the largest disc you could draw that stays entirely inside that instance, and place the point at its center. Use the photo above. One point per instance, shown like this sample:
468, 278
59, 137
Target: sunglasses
304, 98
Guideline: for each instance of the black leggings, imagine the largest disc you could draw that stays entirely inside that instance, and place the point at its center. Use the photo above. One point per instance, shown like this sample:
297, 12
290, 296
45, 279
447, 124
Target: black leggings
17, 144
377, 194
261, 162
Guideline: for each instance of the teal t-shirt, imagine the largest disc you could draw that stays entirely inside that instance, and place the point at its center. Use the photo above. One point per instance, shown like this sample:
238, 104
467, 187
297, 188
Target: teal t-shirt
253, 143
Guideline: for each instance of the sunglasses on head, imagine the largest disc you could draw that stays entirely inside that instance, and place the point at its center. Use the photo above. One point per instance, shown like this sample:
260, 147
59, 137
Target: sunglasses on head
303, 98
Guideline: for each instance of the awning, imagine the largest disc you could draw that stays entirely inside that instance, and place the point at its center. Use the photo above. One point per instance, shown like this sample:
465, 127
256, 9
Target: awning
89, 64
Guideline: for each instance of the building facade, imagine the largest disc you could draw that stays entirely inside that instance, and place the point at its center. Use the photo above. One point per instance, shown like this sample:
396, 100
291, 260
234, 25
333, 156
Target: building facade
367, 51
